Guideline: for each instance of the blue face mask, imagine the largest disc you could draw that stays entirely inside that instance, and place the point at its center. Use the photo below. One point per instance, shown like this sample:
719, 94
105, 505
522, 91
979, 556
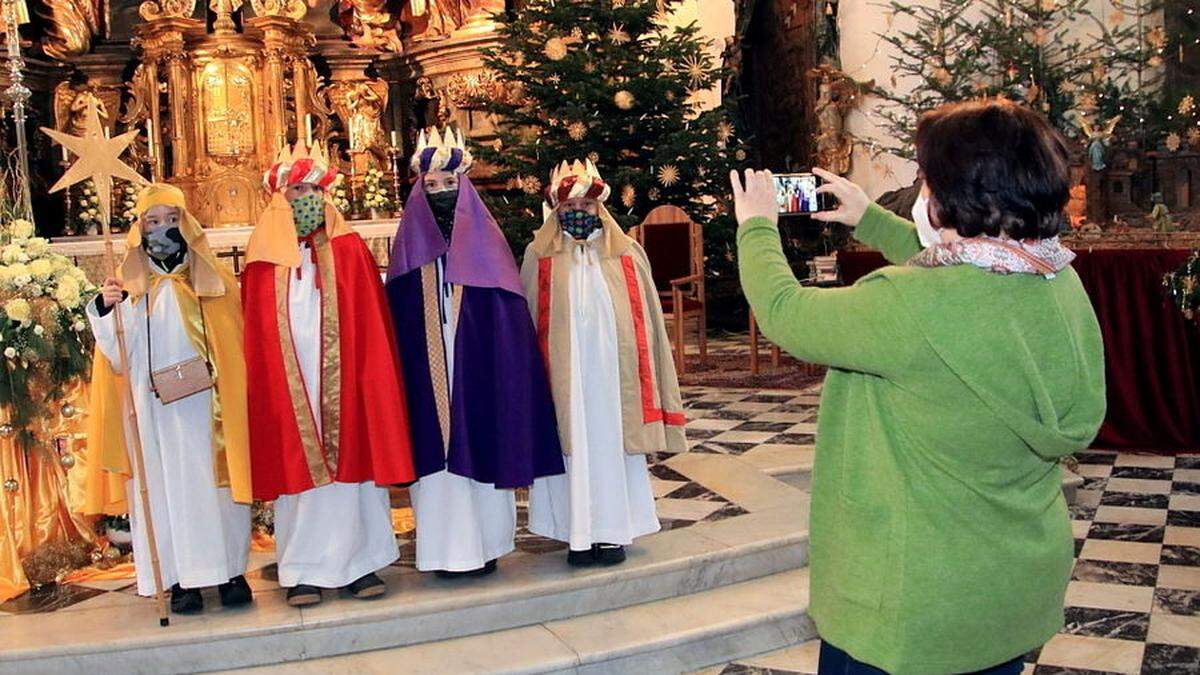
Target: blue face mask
578, 223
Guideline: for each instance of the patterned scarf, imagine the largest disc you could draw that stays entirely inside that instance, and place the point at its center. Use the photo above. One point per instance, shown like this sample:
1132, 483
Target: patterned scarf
1046, 257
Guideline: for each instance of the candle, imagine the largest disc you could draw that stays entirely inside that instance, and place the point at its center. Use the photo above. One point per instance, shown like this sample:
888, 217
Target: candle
66, 155
150, 140
395, 139
308, 137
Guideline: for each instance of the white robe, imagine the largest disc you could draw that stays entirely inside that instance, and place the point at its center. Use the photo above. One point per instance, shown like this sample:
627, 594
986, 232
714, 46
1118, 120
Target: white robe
203, 536
605, 495
331, 535
461, 523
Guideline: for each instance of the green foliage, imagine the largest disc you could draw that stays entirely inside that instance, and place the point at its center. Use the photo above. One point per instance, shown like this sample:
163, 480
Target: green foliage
607, 80
1061, 57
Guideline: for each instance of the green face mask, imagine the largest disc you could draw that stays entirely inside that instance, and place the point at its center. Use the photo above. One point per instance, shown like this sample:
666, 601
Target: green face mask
309, 213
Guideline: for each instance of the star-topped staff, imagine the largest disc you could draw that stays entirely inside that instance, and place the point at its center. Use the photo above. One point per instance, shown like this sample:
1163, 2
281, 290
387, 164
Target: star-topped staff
98, 158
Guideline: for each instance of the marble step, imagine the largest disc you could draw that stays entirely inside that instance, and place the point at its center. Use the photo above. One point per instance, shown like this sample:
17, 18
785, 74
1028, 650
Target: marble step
528, 590
676, 635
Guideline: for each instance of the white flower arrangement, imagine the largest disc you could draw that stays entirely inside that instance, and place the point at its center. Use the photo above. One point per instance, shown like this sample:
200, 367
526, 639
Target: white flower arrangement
375, 193
42, 323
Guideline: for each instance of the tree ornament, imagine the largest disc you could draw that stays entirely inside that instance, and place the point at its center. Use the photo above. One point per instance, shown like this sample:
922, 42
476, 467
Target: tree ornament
941, 76
1193, 137
668, 175
1173, 142
618, 35
555, 49
1186, 105
1155, 61
1048, 5
724, 131
11, 485
1099, 71
589, 68
1157, 37
1116, 18
594, 157
740, 155
531, 185
628, 196
694, 67
576, 34
577, 130
624, 99
652, 194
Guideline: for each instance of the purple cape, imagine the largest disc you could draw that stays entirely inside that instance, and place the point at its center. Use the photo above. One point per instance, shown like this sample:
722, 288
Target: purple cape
478, 256
503, 429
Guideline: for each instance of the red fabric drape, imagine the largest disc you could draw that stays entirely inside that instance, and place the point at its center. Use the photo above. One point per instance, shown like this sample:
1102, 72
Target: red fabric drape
1152, 354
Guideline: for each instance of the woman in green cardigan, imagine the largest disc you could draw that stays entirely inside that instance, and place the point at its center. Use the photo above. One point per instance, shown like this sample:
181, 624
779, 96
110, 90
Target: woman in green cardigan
958, 377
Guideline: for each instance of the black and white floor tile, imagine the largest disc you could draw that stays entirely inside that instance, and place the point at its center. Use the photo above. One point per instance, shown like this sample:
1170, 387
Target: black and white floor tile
1133, 604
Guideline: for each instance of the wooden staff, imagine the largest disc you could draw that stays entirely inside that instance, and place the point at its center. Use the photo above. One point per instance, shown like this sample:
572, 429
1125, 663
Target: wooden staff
133, 439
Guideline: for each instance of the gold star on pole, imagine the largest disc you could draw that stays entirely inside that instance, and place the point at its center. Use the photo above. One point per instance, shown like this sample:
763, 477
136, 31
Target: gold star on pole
98, 158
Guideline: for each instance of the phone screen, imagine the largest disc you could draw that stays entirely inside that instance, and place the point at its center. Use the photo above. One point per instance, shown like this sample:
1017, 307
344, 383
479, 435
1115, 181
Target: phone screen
796, 193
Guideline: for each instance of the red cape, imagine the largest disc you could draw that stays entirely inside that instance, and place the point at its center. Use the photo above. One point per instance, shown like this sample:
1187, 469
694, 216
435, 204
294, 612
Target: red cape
367, 437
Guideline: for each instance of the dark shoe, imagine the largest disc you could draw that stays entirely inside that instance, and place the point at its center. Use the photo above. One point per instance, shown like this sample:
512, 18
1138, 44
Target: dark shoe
581, 558
235, 592
186, 601
608, 554
367, 586
303, 595
487, 569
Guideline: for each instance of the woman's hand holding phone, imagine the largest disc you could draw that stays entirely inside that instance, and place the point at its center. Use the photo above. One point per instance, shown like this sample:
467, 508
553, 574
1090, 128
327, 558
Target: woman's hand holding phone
852, 199
757, 198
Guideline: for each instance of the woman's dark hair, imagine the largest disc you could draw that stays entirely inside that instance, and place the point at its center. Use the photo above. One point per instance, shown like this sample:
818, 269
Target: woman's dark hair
994, 168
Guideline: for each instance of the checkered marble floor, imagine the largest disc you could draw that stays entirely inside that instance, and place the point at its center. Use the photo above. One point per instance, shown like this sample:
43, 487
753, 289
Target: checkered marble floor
1133, 604
775, 428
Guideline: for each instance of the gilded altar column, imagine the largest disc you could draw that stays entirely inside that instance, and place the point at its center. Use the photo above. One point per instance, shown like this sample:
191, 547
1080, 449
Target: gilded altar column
300, 92
154, 134
179, 92
275, 100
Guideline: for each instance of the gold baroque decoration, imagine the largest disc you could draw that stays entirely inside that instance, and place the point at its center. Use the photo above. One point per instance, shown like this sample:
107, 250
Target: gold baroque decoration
291, 9
372, 26
470, 91
73, 24
162, 9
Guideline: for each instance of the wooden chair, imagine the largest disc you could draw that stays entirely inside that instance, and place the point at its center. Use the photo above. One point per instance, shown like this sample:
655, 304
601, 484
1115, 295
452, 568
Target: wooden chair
674, 244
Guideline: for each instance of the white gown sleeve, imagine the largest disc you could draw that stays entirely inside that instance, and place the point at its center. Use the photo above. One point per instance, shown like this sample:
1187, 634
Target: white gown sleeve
104, 328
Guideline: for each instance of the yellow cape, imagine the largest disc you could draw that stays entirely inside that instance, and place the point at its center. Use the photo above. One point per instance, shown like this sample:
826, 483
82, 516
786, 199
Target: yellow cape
205, 286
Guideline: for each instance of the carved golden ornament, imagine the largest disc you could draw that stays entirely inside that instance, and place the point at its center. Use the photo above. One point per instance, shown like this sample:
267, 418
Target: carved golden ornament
360, 105
373, 26
162, 9
471, 90
72, 25
291, 9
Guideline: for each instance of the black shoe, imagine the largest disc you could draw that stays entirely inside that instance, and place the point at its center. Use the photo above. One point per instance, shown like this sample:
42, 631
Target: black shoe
608, 554
303, 595
186, 601
581, 558
488, 568
235, 592
367, 586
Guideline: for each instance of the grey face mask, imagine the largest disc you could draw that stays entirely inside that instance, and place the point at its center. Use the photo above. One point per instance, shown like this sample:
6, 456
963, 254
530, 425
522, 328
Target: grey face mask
164, 243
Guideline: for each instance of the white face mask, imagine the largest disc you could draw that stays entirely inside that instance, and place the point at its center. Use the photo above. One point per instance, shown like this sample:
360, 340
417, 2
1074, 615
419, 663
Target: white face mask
926, 232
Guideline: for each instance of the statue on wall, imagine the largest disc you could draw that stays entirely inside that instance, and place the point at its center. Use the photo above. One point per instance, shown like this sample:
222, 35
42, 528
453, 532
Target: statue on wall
72, 99
72, 26
430, 107
836, 96
444, 16
360, 105
369, 24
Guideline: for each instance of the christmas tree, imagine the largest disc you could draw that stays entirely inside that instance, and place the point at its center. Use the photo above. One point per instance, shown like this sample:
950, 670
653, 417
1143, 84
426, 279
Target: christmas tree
1079, 65
610, 81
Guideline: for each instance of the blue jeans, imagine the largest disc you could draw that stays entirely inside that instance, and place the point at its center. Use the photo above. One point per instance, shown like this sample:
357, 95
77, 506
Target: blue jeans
837, 662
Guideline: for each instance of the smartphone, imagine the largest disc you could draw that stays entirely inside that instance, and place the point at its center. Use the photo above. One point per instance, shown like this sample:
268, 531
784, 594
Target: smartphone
796, 193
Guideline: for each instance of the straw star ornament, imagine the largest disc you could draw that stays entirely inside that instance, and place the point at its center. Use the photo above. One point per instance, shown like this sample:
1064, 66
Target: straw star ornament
98, 157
